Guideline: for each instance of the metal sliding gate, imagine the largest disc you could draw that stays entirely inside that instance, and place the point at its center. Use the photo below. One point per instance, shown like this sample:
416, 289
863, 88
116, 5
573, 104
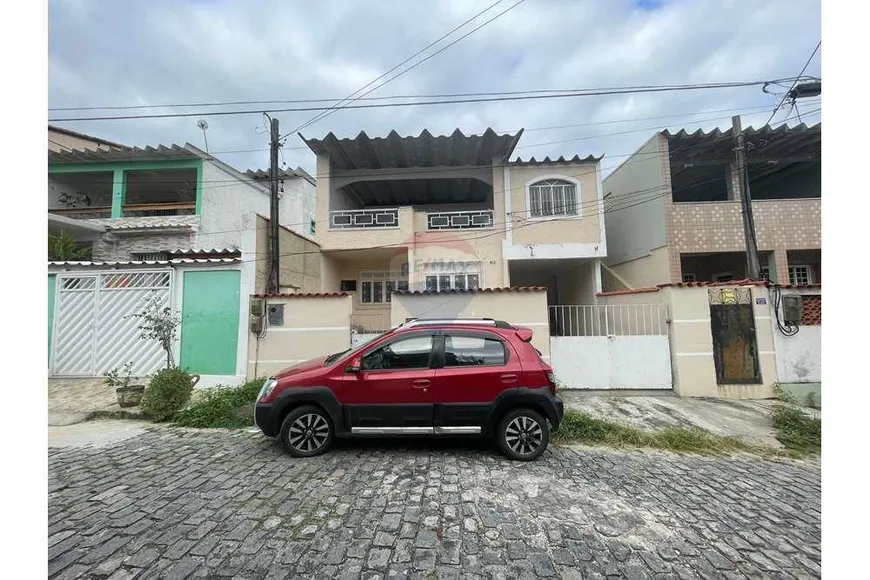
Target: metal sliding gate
94, 331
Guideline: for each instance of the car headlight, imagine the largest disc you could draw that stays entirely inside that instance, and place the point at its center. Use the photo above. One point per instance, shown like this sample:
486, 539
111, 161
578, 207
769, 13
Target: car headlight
267, 389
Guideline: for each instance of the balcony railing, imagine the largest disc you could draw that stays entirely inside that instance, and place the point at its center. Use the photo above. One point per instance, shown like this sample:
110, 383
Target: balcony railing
159, 209
347, 219
460, 220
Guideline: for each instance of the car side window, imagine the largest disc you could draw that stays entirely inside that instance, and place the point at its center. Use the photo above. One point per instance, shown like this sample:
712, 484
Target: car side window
409, 353
463, 351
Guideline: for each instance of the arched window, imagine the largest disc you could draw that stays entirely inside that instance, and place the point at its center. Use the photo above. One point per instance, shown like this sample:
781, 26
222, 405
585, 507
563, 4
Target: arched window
553, 197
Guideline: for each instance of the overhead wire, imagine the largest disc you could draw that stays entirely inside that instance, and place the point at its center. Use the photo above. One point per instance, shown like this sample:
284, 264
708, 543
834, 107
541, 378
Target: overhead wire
622, 91
795, 82
422, 50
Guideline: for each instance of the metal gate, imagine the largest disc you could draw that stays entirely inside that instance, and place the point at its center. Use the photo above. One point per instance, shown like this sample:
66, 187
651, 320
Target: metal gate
735, 347
621, 346
94, 331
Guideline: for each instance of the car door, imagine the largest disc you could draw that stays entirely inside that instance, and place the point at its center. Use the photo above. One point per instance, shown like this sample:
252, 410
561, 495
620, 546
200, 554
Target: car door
392, 391
474, 368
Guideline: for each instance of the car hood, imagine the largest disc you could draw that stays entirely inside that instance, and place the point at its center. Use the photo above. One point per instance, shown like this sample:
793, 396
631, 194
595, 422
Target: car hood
303, 367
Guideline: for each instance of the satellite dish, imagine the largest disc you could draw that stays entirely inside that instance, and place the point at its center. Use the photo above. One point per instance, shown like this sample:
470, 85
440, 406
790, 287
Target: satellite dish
202, 124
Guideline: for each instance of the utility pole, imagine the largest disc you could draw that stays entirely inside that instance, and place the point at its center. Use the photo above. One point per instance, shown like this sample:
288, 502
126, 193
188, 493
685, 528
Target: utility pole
753, 271
274, 281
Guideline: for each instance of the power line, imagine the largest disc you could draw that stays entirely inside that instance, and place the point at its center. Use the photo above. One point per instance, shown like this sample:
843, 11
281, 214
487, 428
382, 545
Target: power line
618, 91
147, 158
418, 63
422, 50
796, 79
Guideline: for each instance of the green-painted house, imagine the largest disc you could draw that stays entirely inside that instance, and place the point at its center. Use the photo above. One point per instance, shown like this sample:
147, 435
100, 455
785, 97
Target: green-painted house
167, 224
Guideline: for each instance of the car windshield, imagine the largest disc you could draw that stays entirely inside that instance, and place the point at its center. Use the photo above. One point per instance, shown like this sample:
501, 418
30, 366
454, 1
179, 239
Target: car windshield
339, 355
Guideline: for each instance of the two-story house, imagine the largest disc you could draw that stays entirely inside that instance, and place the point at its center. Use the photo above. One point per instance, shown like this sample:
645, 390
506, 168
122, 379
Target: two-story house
674, 210
452, 213
173, 225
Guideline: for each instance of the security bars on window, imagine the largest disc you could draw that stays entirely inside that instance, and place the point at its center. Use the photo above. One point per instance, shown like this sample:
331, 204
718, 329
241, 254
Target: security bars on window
552, 197
799, 275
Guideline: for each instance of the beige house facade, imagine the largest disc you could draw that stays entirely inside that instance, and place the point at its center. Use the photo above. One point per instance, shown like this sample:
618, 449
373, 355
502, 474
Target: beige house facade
674, 209
452, 213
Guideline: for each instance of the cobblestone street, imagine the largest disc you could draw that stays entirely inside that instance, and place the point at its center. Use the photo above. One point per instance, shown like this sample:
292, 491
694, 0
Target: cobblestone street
173, 503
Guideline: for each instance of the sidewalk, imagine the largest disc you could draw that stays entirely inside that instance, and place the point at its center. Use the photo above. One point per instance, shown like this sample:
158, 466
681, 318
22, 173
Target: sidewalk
72, 401
747, 419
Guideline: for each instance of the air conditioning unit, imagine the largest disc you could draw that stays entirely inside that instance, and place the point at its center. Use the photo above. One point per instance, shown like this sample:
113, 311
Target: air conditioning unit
792, 308
257, 307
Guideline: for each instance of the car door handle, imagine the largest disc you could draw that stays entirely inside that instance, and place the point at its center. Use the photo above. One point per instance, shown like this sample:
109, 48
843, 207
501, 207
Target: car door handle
421, 383
509, 378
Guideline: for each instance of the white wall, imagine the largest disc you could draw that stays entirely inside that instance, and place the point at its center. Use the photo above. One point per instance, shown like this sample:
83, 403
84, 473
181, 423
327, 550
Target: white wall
227, 207
615, 362
799, 357
632, 232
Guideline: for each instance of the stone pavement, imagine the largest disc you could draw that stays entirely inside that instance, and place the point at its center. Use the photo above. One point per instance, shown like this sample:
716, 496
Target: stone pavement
746, 419
72, 401
173, 503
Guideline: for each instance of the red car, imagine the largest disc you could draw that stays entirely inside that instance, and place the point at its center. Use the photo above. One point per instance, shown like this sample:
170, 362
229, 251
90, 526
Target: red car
424, 377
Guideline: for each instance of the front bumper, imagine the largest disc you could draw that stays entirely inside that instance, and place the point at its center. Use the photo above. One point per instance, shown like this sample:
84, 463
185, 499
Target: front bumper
265, 417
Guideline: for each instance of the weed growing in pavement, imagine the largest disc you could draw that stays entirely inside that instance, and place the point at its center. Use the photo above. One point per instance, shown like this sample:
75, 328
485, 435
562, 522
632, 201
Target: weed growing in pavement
222, 407
582, 428
798, 432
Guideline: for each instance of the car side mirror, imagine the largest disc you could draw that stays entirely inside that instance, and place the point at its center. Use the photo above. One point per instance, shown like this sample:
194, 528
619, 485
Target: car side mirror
355, 366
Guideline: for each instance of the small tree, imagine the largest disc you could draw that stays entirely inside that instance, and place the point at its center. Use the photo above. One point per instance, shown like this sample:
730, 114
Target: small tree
63, 248
156, 323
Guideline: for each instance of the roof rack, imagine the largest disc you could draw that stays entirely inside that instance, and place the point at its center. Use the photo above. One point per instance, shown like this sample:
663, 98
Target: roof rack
462, 321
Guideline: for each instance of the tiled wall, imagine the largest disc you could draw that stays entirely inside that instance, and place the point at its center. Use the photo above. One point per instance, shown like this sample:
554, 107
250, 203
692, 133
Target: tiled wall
718, 227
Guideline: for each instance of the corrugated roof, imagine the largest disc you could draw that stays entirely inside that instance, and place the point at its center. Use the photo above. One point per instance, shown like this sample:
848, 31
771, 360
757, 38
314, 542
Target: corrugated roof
71, 133
150, 226
263, 174
476, 290
159, 153
761, 144
561, 159
232, 250
176, 261
303, 295
424, 150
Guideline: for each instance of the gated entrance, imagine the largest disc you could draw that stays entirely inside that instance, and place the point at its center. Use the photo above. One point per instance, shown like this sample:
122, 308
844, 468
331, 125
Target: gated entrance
621, 346
93, 329
735, 348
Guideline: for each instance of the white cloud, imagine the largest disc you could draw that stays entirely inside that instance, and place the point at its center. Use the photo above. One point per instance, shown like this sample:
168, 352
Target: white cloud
111, 53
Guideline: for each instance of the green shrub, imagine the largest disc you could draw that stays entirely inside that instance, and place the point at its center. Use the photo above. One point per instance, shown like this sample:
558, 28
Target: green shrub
222, 407
796, 430
167, 393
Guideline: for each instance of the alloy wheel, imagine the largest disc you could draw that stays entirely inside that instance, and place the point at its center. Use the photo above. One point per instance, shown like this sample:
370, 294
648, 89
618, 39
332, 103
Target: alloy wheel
308, 432
524, 435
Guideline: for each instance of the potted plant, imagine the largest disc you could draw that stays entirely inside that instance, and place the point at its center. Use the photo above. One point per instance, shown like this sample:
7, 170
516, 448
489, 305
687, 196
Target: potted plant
128, 395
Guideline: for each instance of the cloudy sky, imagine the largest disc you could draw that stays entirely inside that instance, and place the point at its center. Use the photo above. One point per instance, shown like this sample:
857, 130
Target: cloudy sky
109, 53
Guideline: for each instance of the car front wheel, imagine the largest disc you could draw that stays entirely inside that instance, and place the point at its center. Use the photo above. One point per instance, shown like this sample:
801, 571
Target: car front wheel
306, 431
523, 434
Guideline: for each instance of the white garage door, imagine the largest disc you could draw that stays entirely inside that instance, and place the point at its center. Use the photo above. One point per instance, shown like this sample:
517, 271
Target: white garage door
94, 330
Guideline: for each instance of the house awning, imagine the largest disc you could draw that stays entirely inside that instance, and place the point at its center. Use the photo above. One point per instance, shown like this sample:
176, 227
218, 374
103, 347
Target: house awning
424, 150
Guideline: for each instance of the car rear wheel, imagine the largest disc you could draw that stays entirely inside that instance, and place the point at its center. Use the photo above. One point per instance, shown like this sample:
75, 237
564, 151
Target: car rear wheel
307, 431
523, 434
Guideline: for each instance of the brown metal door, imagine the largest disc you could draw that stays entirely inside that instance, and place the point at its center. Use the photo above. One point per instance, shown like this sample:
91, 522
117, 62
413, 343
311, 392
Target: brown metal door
735, 349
